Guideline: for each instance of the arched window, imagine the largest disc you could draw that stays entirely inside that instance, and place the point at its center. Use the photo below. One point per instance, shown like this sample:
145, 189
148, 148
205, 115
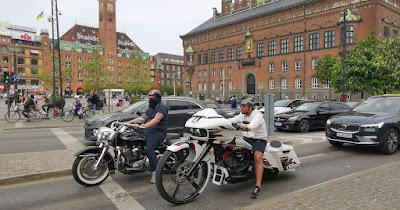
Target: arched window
314, 83
200, 85
297, 83
271, 83
230, 85
204, 86
284, 83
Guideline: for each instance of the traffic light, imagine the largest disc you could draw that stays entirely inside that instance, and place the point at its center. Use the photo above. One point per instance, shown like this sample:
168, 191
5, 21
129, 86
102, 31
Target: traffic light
12, 78
6, 77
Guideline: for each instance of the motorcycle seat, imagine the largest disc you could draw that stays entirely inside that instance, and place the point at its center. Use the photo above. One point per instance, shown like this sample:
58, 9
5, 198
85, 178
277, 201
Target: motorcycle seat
275, 144
171, 138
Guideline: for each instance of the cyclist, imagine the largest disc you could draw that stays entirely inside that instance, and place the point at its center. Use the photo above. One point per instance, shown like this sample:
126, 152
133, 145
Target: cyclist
26, 102
77, 106
47, 103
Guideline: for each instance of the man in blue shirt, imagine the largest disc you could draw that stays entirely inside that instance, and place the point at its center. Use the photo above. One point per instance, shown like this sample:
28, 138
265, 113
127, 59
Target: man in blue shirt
156, 124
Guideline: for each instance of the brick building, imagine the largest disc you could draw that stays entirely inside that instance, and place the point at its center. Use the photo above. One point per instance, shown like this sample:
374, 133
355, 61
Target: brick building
29, 59
271, 47
171, 70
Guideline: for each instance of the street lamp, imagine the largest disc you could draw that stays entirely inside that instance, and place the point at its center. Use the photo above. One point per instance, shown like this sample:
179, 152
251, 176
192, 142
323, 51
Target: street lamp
280, 84
190, 64
187, 83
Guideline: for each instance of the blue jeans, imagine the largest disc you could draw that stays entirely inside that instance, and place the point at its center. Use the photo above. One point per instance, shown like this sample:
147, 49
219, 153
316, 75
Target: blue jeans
94, 109
152, 142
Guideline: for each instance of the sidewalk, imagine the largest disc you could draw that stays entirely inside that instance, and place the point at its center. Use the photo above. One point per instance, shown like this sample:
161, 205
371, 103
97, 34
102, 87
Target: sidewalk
376, 188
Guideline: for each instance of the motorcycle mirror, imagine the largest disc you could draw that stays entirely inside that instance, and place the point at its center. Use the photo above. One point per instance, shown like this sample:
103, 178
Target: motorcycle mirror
246, 122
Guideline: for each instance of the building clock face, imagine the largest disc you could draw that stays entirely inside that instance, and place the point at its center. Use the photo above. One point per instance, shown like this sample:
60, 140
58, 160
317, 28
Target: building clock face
110, 7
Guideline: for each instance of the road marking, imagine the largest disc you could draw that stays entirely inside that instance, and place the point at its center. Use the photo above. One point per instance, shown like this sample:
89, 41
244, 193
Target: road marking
311, 156
69, 141
120, 198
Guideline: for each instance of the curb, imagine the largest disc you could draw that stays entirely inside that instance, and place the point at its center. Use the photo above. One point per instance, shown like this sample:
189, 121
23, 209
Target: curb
35, 177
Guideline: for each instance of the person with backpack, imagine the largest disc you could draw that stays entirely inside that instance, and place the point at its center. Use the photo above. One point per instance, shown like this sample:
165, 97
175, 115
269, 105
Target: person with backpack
27, 102
93, 100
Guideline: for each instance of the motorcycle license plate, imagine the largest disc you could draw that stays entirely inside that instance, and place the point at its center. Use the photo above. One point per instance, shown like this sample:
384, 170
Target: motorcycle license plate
344, 135
278, 124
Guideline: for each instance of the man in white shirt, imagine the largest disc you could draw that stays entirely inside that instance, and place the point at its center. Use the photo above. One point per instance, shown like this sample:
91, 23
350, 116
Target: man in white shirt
255, 132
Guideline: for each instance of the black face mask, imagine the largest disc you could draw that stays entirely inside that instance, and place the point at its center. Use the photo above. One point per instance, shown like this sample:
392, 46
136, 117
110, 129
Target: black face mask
153, 103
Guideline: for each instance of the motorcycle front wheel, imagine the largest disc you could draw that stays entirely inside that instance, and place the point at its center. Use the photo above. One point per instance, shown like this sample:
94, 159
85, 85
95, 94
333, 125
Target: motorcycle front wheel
84, 173
173, 182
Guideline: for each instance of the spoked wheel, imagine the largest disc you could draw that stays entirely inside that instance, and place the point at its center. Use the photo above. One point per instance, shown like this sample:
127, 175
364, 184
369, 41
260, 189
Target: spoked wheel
84, 173
54, 113
34, 116
173, 182
304, 126
13, 117
85, 116
67, 116
390, 142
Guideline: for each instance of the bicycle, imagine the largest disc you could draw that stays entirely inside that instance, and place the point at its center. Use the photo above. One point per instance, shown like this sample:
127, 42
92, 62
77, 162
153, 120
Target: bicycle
69, 115
15, 115
53, 113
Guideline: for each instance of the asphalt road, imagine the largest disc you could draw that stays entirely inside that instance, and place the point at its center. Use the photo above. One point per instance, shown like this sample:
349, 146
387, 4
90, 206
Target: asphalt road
320, 163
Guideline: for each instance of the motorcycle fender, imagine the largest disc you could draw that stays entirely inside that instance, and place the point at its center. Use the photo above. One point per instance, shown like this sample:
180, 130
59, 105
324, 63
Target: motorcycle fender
193, 154
94, 151
270, 161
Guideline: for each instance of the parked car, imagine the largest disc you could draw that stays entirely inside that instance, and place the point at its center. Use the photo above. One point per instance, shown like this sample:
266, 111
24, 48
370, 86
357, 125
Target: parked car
352, 104
180, 109
215, 105
285, 105
309, 116
375, 121
232, 112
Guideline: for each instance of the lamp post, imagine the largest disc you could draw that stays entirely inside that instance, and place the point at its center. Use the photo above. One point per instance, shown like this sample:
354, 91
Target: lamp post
187, 83
280, 84
190, 70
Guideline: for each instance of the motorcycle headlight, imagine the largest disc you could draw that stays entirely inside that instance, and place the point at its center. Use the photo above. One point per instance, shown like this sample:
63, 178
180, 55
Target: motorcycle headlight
105, 135
292, 119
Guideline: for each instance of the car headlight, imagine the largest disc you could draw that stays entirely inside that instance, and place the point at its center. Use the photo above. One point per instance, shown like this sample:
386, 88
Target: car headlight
293, 118
328, 122
372, 127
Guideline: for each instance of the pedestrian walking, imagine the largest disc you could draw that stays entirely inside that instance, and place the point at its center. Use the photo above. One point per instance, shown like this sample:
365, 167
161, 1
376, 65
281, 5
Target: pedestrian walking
93, 101
233, 101
127, 99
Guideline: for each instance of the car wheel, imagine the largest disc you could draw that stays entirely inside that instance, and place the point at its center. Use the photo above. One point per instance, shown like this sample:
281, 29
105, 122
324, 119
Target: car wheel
304, 126
390, 142
336, 143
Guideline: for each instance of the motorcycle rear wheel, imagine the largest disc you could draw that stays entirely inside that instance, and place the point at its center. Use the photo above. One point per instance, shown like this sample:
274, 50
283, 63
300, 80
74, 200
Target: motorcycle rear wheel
172, 185
83, 173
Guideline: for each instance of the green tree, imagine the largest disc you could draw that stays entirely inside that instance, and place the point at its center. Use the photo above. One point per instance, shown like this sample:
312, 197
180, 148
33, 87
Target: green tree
388, 60
324, 69
68, 76
94, 71
46, 74
136, 71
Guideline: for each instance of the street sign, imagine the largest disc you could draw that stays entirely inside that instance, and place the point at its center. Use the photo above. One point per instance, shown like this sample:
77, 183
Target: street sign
16, 78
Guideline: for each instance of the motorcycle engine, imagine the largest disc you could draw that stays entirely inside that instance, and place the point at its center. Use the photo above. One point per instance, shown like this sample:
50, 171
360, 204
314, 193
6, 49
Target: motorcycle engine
237, 161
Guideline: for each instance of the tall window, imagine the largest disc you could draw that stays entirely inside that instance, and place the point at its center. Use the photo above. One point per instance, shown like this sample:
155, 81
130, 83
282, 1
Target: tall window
213, 57
205, 58
213, 85
349, 34
198, 74
326, 84
271, 83
230, 85
272, 48
230, 54
198, 59
386, 32
298, 43
314, 41
213, 73
271, 67
284, 83
221, 55
204, 73
230, 71
239, 53
297, 83
314, 63
284, 46
329, 39
200, 85
314, 83
284, 66
204, 86
260, 49
221, 72
297, 65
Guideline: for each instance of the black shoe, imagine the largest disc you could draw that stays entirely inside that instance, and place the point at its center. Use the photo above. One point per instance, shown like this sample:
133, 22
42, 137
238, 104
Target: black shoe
255, 193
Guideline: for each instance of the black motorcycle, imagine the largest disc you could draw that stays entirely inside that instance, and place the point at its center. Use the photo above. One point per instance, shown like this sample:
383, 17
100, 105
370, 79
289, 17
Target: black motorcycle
120, 147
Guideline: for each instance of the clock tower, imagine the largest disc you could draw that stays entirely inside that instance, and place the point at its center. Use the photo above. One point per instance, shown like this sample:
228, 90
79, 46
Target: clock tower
107, 27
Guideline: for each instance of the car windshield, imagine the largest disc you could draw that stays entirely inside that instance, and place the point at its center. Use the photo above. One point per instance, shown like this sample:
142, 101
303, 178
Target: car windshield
212, 105
134, 106
282, 103
391, 105
307, 107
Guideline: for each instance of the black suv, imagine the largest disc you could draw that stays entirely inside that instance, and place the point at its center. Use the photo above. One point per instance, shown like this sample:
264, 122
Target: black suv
375, 121
180, 109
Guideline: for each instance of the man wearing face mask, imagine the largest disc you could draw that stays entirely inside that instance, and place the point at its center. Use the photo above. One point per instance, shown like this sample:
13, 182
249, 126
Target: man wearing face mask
155, 121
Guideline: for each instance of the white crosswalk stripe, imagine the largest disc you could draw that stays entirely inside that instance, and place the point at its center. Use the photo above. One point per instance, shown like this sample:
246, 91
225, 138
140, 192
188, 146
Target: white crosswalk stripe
120, 198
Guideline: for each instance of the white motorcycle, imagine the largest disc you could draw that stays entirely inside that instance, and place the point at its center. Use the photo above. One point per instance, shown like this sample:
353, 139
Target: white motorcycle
215, 150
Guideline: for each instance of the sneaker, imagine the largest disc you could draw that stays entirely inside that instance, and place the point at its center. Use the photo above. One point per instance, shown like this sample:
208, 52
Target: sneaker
153, 177
255, 193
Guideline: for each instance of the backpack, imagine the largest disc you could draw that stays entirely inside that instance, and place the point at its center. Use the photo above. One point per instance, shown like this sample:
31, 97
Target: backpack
31, 102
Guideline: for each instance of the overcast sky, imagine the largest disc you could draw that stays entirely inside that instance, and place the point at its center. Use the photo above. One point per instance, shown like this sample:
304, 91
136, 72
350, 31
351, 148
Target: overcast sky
154, 25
